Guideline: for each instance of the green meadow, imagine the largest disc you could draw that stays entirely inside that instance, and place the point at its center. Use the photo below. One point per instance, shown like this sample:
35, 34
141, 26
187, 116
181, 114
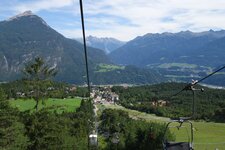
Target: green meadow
107, 68
181, 65
59, 105
207, 135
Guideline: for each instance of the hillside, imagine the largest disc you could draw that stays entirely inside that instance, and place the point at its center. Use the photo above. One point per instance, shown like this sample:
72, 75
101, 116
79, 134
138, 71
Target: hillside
158, 99
26, 36
126, 75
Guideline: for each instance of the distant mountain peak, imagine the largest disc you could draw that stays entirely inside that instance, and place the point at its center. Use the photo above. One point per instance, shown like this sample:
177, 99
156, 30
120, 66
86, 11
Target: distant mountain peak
26, 13
108, 44
102, 38
187, 31
29, 14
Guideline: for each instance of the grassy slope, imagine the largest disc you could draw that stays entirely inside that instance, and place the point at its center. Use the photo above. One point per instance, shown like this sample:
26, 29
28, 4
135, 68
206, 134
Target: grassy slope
67, 105
207, 135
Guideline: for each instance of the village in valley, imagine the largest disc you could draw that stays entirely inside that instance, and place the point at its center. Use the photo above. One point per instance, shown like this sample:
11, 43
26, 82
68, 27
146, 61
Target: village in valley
104, 95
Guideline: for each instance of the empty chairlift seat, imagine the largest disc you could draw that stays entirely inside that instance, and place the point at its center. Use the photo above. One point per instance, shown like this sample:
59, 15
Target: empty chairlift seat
93, 139
177, 146
171, 145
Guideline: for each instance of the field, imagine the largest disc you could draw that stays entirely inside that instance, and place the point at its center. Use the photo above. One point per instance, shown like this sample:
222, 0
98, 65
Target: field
207, 135
180, 65
60, 105
107, 68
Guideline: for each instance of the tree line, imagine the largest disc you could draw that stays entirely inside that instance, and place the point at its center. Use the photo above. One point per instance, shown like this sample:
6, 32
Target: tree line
210, 104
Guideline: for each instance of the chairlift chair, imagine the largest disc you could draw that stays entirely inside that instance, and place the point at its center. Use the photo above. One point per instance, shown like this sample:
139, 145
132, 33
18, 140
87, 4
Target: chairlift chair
93, 139
188, 145
171, 145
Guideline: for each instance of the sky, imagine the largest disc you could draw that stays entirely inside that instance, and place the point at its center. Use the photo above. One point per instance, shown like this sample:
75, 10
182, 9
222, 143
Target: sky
122, 19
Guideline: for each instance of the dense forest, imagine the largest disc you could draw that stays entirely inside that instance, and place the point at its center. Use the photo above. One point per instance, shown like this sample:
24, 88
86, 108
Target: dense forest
158, 99
121, 132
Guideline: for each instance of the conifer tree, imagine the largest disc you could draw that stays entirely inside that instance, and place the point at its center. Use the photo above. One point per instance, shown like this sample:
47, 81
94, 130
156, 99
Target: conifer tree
11, 129
38, 73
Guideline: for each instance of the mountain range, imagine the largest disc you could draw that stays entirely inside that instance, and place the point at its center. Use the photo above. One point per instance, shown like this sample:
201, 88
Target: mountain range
26, 36
178, 56
182, 47
151, 58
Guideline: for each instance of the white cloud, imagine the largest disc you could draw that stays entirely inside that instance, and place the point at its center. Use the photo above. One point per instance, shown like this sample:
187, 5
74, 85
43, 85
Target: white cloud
126, 19
39, 5
149, 16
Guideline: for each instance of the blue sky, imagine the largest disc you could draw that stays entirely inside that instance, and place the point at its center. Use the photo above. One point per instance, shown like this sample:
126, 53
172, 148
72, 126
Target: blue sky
122, 19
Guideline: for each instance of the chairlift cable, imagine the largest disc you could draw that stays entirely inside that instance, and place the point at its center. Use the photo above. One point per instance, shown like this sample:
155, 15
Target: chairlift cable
85, 46
210, 74
188, 86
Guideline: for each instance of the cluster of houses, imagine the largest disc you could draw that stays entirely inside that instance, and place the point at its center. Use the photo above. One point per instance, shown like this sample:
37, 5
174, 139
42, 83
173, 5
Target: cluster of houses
159, 103
103, 95
67, 90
